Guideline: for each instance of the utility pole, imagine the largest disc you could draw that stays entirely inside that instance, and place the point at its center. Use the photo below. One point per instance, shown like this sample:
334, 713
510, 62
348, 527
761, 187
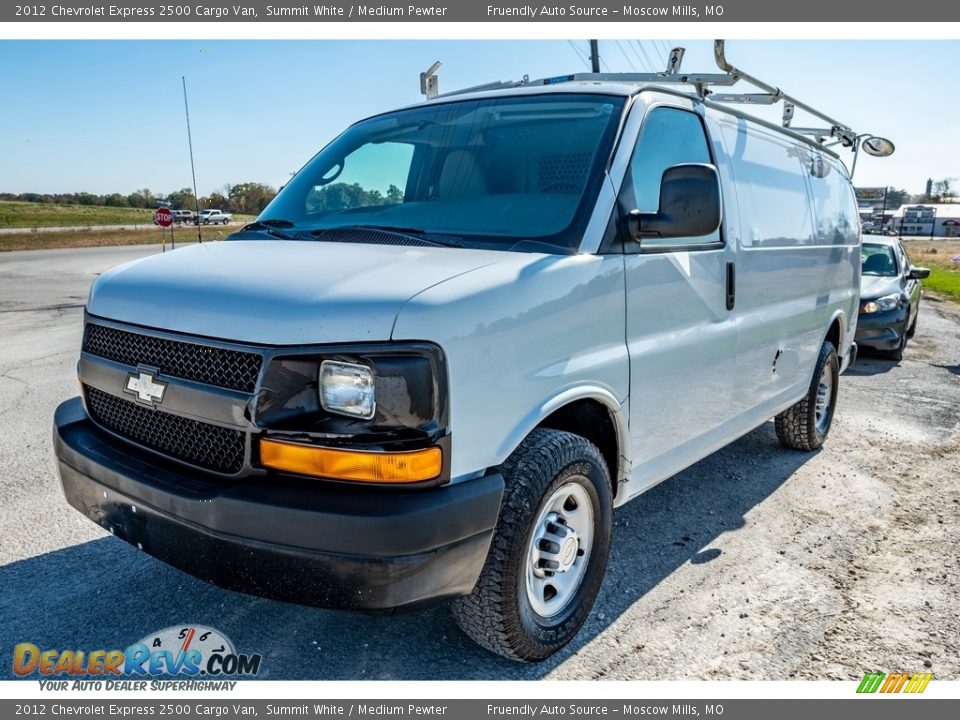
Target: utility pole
193, 171
594, 56
883, 212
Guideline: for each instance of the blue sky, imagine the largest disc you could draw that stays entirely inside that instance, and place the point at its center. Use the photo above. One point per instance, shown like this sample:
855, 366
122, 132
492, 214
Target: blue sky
107, 116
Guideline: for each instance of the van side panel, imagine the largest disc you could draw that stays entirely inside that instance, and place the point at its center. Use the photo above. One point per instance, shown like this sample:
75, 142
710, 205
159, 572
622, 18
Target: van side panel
797, 266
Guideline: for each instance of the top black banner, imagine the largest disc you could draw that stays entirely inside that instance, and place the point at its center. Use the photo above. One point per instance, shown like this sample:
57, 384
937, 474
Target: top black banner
481, 11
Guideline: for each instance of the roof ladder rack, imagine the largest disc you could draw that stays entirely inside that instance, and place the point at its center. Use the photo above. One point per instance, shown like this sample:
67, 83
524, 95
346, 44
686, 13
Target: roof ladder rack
772, 95
837, 132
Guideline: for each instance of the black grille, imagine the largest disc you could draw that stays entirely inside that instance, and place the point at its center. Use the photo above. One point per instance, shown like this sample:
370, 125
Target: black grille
232, 369
209, 446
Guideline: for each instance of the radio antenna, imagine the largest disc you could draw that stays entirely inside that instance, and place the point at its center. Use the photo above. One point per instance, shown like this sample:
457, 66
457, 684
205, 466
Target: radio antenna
193, 171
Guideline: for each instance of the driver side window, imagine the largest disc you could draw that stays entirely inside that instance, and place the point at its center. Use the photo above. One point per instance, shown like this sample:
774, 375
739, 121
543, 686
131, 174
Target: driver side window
668, 137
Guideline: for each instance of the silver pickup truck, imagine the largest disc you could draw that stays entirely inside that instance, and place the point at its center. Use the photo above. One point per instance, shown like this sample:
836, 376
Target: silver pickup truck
213, 217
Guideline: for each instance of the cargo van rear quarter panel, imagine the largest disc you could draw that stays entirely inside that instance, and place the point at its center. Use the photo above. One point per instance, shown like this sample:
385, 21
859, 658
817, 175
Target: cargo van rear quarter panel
790, 289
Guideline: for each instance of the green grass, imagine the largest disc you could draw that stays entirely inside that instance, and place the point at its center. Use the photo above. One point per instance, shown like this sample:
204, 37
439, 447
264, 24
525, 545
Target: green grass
31, 215
944, 280
97, 238
938, 256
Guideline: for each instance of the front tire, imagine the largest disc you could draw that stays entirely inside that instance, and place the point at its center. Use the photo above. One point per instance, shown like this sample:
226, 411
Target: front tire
913, 326
805, 425
897, 353
549, 550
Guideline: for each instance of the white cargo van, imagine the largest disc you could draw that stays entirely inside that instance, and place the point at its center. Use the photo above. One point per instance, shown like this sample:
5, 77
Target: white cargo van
460, 336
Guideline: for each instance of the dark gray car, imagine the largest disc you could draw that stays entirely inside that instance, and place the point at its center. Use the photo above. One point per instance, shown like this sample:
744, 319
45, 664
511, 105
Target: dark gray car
889, 297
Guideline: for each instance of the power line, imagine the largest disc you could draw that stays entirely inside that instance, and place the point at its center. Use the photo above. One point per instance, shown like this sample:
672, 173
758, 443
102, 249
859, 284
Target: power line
667, 47
627, 57
634, 44
647, 56
583, 58
639, 59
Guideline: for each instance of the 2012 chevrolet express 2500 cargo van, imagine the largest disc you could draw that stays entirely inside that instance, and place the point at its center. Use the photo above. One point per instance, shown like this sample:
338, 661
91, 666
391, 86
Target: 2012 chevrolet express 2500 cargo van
461, 335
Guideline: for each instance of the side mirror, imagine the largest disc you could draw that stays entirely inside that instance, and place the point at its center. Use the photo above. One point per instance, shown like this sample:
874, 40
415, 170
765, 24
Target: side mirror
918, 273
878, 146
689, 205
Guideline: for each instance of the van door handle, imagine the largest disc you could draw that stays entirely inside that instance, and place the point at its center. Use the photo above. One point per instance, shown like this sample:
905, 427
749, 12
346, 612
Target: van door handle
731, 285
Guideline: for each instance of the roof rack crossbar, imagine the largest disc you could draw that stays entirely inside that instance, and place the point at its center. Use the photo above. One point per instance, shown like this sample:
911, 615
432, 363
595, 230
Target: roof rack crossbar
697, 79
678, 78
745, 98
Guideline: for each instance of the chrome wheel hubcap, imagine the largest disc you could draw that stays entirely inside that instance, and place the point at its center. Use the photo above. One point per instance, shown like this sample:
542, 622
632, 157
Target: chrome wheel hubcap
559, 549
824, 398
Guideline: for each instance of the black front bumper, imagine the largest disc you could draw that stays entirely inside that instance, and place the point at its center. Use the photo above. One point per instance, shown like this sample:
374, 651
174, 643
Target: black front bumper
882, 330
312, 543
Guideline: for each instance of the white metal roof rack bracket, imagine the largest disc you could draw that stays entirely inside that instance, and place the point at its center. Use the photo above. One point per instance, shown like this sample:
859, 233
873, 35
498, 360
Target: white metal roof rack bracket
788, 108
430, 82
675, 60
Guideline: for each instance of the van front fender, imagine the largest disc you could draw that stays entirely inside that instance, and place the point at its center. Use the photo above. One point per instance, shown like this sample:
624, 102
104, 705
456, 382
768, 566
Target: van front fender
541, 412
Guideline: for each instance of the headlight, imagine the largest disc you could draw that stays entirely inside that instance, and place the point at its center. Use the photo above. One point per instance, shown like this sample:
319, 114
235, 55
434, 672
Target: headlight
347, 389
887, 302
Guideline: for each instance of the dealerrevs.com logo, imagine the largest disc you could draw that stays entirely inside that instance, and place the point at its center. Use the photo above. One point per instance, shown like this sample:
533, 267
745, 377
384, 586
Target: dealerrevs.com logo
193, 652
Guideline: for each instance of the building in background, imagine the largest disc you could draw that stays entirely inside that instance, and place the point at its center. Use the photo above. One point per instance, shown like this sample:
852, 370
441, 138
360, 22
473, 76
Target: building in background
927, 219
872, 207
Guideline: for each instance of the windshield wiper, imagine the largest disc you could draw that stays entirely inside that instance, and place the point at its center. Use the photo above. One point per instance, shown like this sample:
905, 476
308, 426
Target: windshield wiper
272, 227
416, 233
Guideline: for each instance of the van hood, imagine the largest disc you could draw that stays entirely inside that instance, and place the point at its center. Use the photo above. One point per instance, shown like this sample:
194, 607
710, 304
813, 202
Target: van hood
278, 292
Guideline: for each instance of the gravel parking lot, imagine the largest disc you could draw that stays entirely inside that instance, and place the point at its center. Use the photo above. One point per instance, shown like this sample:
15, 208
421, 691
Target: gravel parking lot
756, 563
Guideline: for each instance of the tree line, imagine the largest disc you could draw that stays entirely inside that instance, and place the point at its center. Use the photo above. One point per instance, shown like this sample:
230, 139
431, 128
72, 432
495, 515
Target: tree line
940, 191
242, 198
251, 198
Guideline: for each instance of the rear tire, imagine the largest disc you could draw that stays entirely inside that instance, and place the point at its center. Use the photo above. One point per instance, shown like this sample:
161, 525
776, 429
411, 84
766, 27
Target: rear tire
549, 550
805, 425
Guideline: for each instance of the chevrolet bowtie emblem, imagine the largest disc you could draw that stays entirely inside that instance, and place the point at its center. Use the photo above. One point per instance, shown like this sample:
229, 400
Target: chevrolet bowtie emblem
145, 386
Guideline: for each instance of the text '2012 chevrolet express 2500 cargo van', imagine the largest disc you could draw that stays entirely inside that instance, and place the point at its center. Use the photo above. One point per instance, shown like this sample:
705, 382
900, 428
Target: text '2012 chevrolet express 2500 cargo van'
461, 335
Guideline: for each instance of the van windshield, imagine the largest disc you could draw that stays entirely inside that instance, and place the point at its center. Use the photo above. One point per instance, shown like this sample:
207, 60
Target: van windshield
491, 172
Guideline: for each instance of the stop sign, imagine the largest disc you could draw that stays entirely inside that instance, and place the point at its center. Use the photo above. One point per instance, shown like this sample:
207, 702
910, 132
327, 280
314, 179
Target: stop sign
163, 217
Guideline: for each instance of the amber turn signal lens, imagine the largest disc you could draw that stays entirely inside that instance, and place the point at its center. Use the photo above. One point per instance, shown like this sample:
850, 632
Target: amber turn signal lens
357, 465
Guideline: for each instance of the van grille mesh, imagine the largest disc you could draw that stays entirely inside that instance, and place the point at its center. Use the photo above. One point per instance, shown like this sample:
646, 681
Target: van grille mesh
198, 443
208, 364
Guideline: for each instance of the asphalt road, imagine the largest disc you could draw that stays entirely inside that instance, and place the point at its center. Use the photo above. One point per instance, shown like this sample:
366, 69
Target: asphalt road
755, 563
